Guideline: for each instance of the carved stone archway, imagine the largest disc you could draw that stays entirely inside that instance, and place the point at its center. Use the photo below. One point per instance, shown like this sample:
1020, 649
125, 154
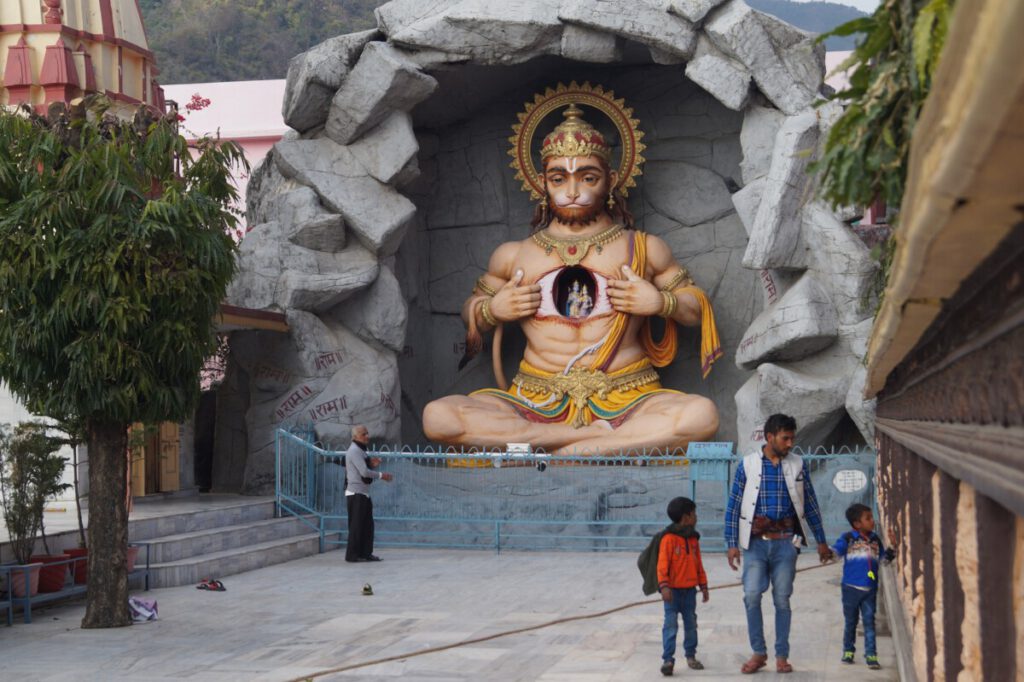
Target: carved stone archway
373, 219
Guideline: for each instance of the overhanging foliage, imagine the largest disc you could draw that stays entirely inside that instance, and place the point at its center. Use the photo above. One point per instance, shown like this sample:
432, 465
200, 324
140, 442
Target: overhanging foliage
866, 153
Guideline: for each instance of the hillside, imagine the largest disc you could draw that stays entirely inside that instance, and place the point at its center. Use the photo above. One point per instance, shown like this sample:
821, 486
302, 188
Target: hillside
198, 41
816, 17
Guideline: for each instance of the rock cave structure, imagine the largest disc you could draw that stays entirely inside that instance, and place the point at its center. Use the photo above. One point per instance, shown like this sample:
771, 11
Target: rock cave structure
371, 219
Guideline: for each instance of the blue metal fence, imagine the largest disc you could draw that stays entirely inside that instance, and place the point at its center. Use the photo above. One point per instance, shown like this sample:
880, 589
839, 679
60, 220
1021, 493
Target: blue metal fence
502, 500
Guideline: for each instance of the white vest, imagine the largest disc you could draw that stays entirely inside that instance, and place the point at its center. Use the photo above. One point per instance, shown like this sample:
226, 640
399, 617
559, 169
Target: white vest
792, 467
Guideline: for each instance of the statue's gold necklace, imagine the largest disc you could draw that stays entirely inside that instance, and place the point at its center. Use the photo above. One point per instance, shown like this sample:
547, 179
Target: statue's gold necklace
572, 250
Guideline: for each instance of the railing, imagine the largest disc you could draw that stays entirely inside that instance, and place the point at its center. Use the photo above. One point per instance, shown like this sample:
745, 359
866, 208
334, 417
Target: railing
71, 583
501, 500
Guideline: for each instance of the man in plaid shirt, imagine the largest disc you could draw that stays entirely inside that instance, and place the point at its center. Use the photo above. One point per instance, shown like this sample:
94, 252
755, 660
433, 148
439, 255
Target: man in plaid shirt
772, 507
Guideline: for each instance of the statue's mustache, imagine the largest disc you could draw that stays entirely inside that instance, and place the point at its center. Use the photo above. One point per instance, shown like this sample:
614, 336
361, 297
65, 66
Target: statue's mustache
578, 201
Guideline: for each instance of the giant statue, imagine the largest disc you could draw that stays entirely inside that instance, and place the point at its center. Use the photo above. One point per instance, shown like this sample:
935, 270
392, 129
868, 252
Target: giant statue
584, 287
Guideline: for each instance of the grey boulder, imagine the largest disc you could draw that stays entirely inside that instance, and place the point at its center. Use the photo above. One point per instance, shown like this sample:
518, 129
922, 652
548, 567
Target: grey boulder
775, 238
725, 78
315, 75
644, 21
382, 81
376, 213
788, 71
799, 324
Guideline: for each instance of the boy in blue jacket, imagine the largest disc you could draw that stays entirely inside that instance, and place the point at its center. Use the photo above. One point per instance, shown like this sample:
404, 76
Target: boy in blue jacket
862, 549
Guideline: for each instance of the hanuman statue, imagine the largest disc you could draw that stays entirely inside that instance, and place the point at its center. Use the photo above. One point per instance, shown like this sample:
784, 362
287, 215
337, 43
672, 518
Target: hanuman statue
587, 381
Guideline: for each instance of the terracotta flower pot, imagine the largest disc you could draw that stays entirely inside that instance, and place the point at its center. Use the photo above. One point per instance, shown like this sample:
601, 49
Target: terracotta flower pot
79, 568
133, 554
18, 587
51, 578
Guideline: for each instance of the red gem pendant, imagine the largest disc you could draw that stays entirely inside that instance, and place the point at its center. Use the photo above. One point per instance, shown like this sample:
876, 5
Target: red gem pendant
571, 250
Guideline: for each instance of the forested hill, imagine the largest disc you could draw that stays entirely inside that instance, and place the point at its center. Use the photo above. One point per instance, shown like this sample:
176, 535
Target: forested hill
816, 17
198, 41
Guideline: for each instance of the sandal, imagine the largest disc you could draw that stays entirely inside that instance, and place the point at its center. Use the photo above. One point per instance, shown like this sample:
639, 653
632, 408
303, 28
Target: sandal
756, 662
782, 665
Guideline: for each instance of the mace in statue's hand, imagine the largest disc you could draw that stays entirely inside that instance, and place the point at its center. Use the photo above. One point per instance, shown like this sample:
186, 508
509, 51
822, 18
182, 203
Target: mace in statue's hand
634, 295
514, 301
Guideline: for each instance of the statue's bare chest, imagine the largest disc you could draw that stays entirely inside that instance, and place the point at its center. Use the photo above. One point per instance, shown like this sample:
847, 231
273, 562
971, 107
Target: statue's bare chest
576, 293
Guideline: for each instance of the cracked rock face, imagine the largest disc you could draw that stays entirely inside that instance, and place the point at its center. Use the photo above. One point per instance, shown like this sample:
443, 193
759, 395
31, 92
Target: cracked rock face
373, 219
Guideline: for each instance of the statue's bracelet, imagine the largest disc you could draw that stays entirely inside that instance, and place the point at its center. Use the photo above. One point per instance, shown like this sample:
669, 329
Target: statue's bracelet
485, 312
669, 307
482, 286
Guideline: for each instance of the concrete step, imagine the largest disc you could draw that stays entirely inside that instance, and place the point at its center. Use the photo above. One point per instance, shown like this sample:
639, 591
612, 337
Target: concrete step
202, 519
168, 548
231, 561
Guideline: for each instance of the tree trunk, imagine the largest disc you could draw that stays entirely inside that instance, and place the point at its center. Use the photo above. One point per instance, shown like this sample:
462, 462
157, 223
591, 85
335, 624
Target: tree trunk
106, 603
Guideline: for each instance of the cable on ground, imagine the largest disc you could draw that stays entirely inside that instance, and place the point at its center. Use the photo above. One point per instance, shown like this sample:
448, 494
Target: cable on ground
507, 633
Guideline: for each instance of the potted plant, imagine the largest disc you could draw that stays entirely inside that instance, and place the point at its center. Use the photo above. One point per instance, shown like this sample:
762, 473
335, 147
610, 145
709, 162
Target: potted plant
30, 474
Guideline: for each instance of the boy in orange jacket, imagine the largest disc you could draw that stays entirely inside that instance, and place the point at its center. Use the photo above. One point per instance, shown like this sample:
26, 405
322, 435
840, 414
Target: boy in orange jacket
680, 573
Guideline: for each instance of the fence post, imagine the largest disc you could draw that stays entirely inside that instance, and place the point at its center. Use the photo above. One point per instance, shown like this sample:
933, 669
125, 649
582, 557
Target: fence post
310, 477
277, 474
725, 486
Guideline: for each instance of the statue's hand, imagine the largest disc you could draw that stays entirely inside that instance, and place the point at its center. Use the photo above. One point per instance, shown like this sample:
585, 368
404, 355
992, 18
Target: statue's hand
514, 301
634, 295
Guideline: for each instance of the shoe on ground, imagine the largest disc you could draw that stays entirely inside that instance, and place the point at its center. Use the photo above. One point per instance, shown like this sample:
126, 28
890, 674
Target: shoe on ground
667, 667
694, 664
848, 657
372, 557
873, 663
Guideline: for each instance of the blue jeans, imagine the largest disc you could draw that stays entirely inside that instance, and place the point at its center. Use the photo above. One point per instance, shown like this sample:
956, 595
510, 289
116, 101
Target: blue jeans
764, 561
683, 602
859, 602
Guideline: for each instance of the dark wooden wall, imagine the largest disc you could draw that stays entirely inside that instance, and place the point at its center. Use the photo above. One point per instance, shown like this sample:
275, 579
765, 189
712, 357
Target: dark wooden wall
955, 408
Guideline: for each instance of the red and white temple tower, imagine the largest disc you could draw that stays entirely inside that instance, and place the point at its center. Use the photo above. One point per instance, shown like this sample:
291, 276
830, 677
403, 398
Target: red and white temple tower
57, 50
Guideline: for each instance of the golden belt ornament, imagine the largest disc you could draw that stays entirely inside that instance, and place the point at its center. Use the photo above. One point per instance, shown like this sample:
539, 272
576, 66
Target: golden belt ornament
580, 384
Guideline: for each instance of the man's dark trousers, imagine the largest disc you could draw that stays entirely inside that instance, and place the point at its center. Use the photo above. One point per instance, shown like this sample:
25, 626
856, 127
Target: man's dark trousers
360, 527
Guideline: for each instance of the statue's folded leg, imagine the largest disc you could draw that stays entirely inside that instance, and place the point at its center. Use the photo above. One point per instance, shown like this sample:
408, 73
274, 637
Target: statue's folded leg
665, 420
486, 421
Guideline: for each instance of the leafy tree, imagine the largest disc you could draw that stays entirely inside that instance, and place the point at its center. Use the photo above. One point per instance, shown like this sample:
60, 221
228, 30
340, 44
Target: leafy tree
114, 256
867, 149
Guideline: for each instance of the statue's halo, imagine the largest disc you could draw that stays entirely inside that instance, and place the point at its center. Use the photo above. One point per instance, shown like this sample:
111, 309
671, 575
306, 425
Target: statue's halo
563, 95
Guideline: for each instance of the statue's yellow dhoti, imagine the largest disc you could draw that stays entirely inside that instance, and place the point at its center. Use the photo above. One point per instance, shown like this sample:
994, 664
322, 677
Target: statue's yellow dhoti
581, 395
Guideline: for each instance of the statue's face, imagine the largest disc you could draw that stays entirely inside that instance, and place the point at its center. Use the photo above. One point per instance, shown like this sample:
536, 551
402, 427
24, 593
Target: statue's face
577, 188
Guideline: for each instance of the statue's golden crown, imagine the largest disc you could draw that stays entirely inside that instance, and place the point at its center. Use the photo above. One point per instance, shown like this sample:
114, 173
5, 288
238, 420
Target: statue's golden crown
574, 137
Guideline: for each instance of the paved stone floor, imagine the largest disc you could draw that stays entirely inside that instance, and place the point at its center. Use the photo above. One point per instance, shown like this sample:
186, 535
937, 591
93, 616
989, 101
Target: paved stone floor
297, 619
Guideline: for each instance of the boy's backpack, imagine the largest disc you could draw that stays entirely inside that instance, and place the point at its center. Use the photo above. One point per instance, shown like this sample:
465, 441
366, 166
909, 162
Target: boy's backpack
647, 562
